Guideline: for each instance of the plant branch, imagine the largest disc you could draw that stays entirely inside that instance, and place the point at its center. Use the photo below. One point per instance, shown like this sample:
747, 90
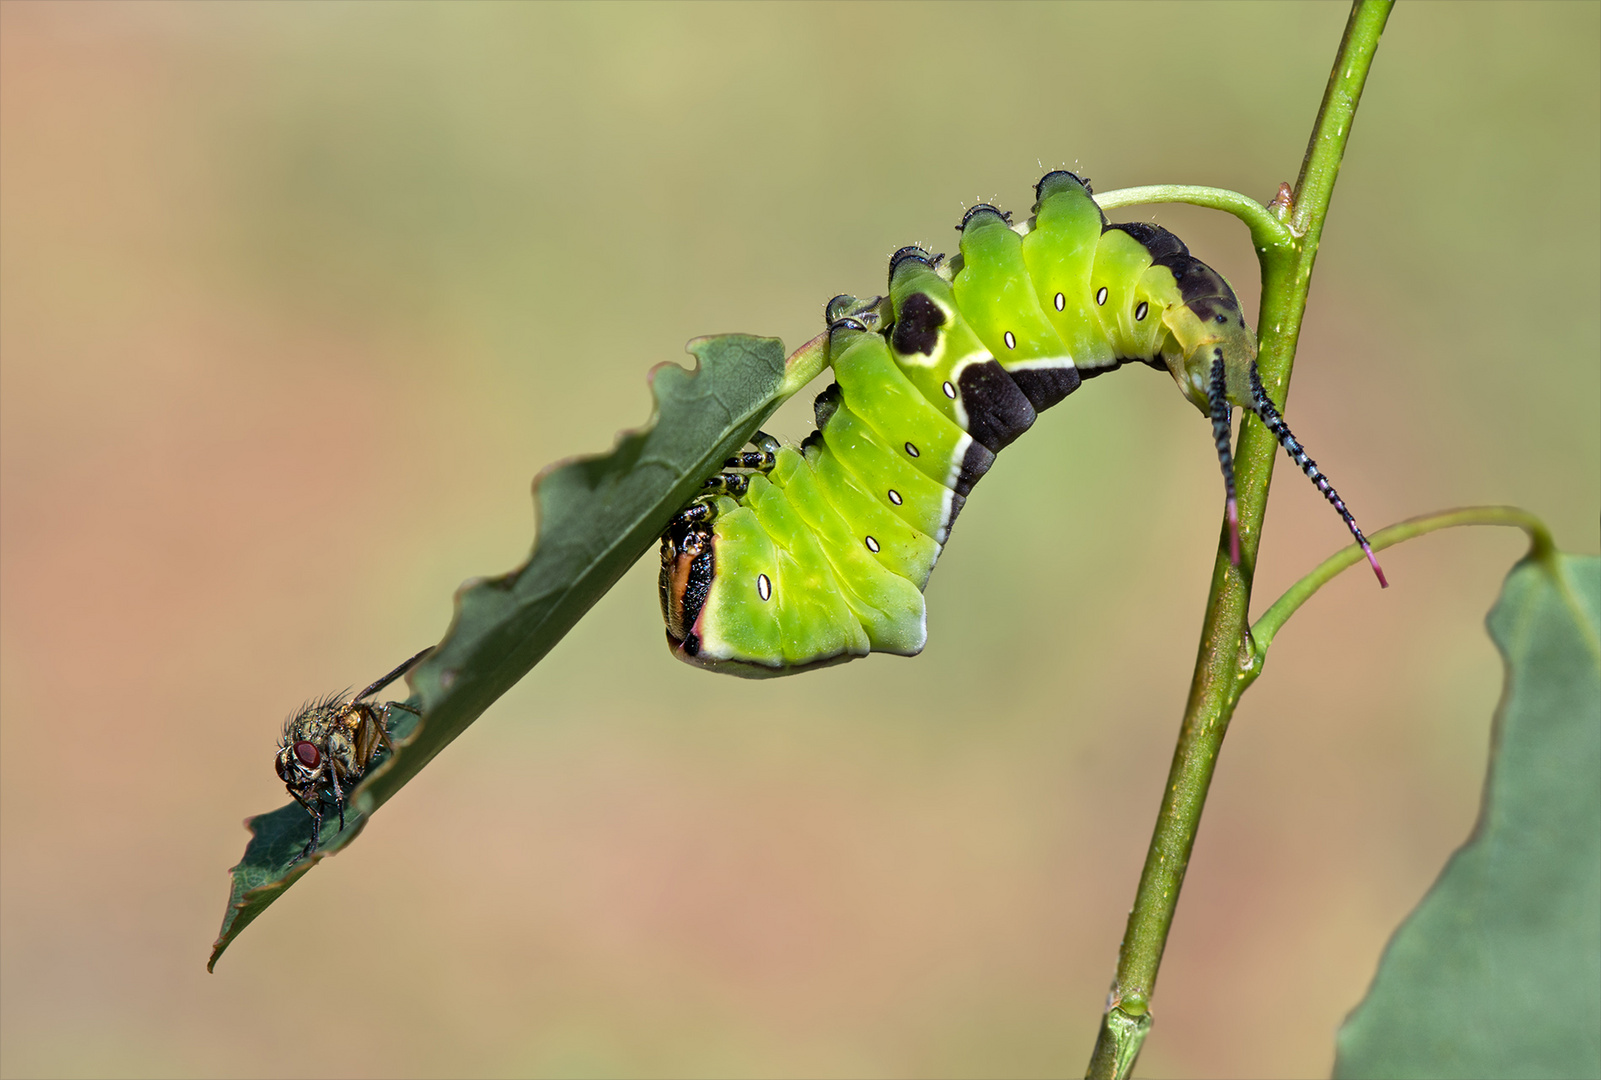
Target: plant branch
1541, 546
1223, 657
1267, 231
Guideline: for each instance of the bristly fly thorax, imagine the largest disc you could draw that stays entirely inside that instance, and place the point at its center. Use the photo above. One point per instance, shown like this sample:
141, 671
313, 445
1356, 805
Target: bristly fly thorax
329, 744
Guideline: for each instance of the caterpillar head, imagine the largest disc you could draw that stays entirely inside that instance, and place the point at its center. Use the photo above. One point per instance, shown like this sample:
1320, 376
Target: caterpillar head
688, 564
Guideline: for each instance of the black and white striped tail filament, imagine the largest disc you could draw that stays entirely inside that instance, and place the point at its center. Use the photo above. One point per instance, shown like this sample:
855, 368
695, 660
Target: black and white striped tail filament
1269, 415
1222, 414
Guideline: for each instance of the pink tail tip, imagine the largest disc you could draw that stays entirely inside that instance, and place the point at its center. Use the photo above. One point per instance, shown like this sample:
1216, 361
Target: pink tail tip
1234, 533
1377, 569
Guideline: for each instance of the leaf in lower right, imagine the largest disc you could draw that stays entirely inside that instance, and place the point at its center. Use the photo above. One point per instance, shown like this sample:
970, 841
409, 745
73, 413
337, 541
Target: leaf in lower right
1497, 973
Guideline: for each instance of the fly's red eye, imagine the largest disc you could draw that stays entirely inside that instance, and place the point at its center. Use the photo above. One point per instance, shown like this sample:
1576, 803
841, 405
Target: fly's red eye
307, 754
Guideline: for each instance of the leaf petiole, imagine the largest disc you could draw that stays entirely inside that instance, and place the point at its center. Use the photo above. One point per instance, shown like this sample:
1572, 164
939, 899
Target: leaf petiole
1541, 548
1267, 231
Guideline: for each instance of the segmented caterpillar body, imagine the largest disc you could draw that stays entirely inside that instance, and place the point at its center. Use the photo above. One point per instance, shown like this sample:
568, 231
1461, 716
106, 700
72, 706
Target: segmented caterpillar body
814, 555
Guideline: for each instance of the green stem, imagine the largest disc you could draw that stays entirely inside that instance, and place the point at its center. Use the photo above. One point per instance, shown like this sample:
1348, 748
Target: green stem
1541, 546
1215, 687
1267, 231
803, 365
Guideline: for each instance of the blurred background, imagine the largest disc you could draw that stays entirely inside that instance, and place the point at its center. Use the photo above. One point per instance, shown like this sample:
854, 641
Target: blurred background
298, 298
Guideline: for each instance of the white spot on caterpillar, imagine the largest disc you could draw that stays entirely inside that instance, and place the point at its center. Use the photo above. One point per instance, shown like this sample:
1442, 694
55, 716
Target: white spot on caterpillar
1140, 312
764, 587
950, 391
872, 545
1100, 295
894, 496
1011, 342
1061, 301
912, 450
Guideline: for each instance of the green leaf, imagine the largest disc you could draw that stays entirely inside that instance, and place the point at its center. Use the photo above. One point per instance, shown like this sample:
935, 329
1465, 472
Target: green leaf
597, 516
1497, 973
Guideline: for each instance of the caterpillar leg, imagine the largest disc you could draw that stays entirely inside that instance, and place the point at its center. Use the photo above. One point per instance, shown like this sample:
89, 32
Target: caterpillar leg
758, 462
1222, 413
728, 483
699, 512
1264, 408
868, 312
761, 460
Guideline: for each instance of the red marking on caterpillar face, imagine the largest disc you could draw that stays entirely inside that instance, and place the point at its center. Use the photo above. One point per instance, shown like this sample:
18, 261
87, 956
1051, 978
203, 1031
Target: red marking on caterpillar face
687, 568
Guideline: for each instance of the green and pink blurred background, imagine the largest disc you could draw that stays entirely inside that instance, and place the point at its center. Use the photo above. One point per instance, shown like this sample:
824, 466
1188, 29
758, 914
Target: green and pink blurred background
298, 298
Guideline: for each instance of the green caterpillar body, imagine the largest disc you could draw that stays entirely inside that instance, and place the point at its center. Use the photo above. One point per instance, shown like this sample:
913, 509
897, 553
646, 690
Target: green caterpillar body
819, 554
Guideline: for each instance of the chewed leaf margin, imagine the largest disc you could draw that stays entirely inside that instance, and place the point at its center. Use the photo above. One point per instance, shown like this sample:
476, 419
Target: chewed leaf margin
595, 517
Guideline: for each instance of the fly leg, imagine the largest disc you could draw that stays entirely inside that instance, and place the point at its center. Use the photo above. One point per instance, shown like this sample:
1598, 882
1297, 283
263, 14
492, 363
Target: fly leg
314, 808
339, 796
383, 722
